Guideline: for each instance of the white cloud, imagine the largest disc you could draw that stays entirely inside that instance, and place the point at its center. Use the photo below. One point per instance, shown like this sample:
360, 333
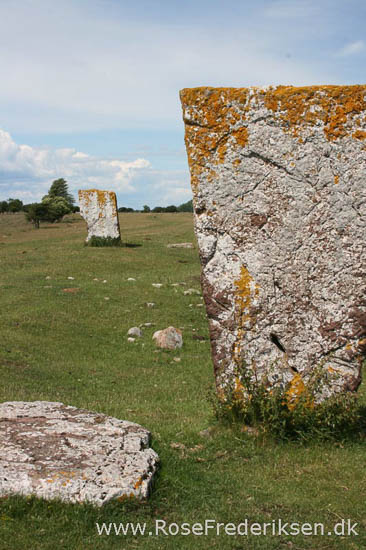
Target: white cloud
352, 48
27, 172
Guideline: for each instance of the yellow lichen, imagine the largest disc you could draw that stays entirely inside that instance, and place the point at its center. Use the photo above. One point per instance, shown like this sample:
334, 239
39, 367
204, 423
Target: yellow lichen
296, 389
245, 290
336, 179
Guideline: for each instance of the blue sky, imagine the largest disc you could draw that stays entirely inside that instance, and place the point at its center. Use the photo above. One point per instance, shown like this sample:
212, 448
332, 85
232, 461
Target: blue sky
90, 88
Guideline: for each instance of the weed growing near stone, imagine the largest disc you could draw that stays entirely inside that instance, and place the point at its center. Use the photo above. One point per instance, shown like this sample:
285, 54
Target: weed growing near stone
285, 414
103, 241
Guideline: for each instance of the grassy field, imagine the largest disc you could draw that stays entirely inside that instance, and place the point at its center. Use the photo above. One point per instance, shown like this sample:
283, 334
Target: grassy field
72, 347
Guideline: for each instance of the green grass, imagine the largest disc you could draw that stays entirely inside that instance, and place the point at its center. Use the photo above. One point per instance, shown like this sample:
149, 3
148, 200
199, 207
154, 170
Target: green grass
72, 347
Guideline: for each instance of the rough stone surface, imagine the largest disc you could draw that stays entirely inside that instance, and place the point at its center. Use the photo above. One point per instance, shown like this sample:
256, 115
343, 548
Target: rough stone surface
278, 177
168, 338
51, 450
99, 209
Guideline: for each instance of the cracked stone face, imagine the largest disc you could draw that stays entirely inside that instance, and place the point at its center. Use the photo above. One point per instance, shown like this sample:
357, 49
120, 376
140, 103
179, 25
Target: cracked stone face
279, 192
51, 450
99, 209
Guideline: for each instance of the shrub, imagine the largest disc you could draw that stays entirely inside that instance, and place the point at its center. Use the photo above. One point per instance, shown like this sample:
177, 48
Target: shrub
291, 411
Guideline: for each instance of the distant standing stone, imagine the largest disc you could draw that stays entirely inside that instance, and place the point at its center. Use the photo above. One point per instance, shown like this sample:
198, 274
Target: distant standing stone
168, 338
51, 450
99, 209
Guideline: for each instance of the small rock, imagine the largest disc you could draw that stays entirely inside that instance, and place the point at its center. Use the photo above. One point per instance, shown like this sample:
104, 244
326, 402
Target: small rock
135, 331
206, 433
71, 278
96, 279
131, 279
150, 304
180, 245
177, 359
48, 278
157, 285
130, 339
199, 305
191, 291
147, 324
168, 338
105, 280
106, 297
70, 290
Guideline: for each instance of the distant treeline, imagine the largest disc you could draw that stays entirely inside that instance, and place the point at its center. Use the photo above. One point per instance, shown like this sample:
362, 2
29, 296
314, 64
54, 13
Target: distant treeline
185, 207
16, 205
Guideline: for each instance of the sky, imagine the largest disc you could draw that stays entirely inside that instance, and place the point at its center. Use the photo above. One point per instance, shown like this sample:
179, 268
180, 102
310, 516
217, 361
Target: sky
90, 88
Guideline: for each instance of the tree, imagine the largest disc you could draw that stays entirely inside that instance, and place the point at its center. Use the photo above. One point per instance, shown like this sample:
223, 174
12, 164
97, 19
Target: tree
59, 188
56, 207
4, 207
186, 207
171, 208
146, 208
36, 212
15, 205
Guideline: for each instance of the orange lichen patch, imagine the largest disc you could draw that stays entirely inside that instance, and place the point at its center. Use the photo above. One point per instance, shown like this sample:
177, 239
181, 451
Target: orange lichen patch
359, 134
211, 116
334, 106
297, 388
241, 136
138, 483
336, 179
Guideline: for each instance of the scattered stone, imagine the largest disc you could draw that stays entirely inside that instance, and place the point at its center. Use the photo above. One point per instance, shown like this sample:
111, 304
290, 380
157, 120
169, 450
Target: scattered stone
106, 297
54, 451
150, 304
168, 338
135, 331
71, 290
175, 445
105, 281
278, 177
157, 285
71, 278
177, 359
99, 209
190, 291
130, 339
147, 324
206, 433
48, 278
131, 279
95, 279
199, 305
180, 245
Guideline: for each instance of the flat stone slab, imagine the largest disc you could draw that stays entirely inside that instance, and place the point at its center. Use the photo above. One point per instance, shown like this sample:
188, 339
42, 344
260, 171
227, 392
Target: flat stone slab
279, 194
51, 450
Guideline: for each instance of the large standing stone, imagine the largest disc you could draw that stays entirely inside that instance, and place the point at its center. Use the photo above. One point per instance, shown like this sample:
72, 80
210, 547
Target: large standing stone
279, 183
99, 209
51, 450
